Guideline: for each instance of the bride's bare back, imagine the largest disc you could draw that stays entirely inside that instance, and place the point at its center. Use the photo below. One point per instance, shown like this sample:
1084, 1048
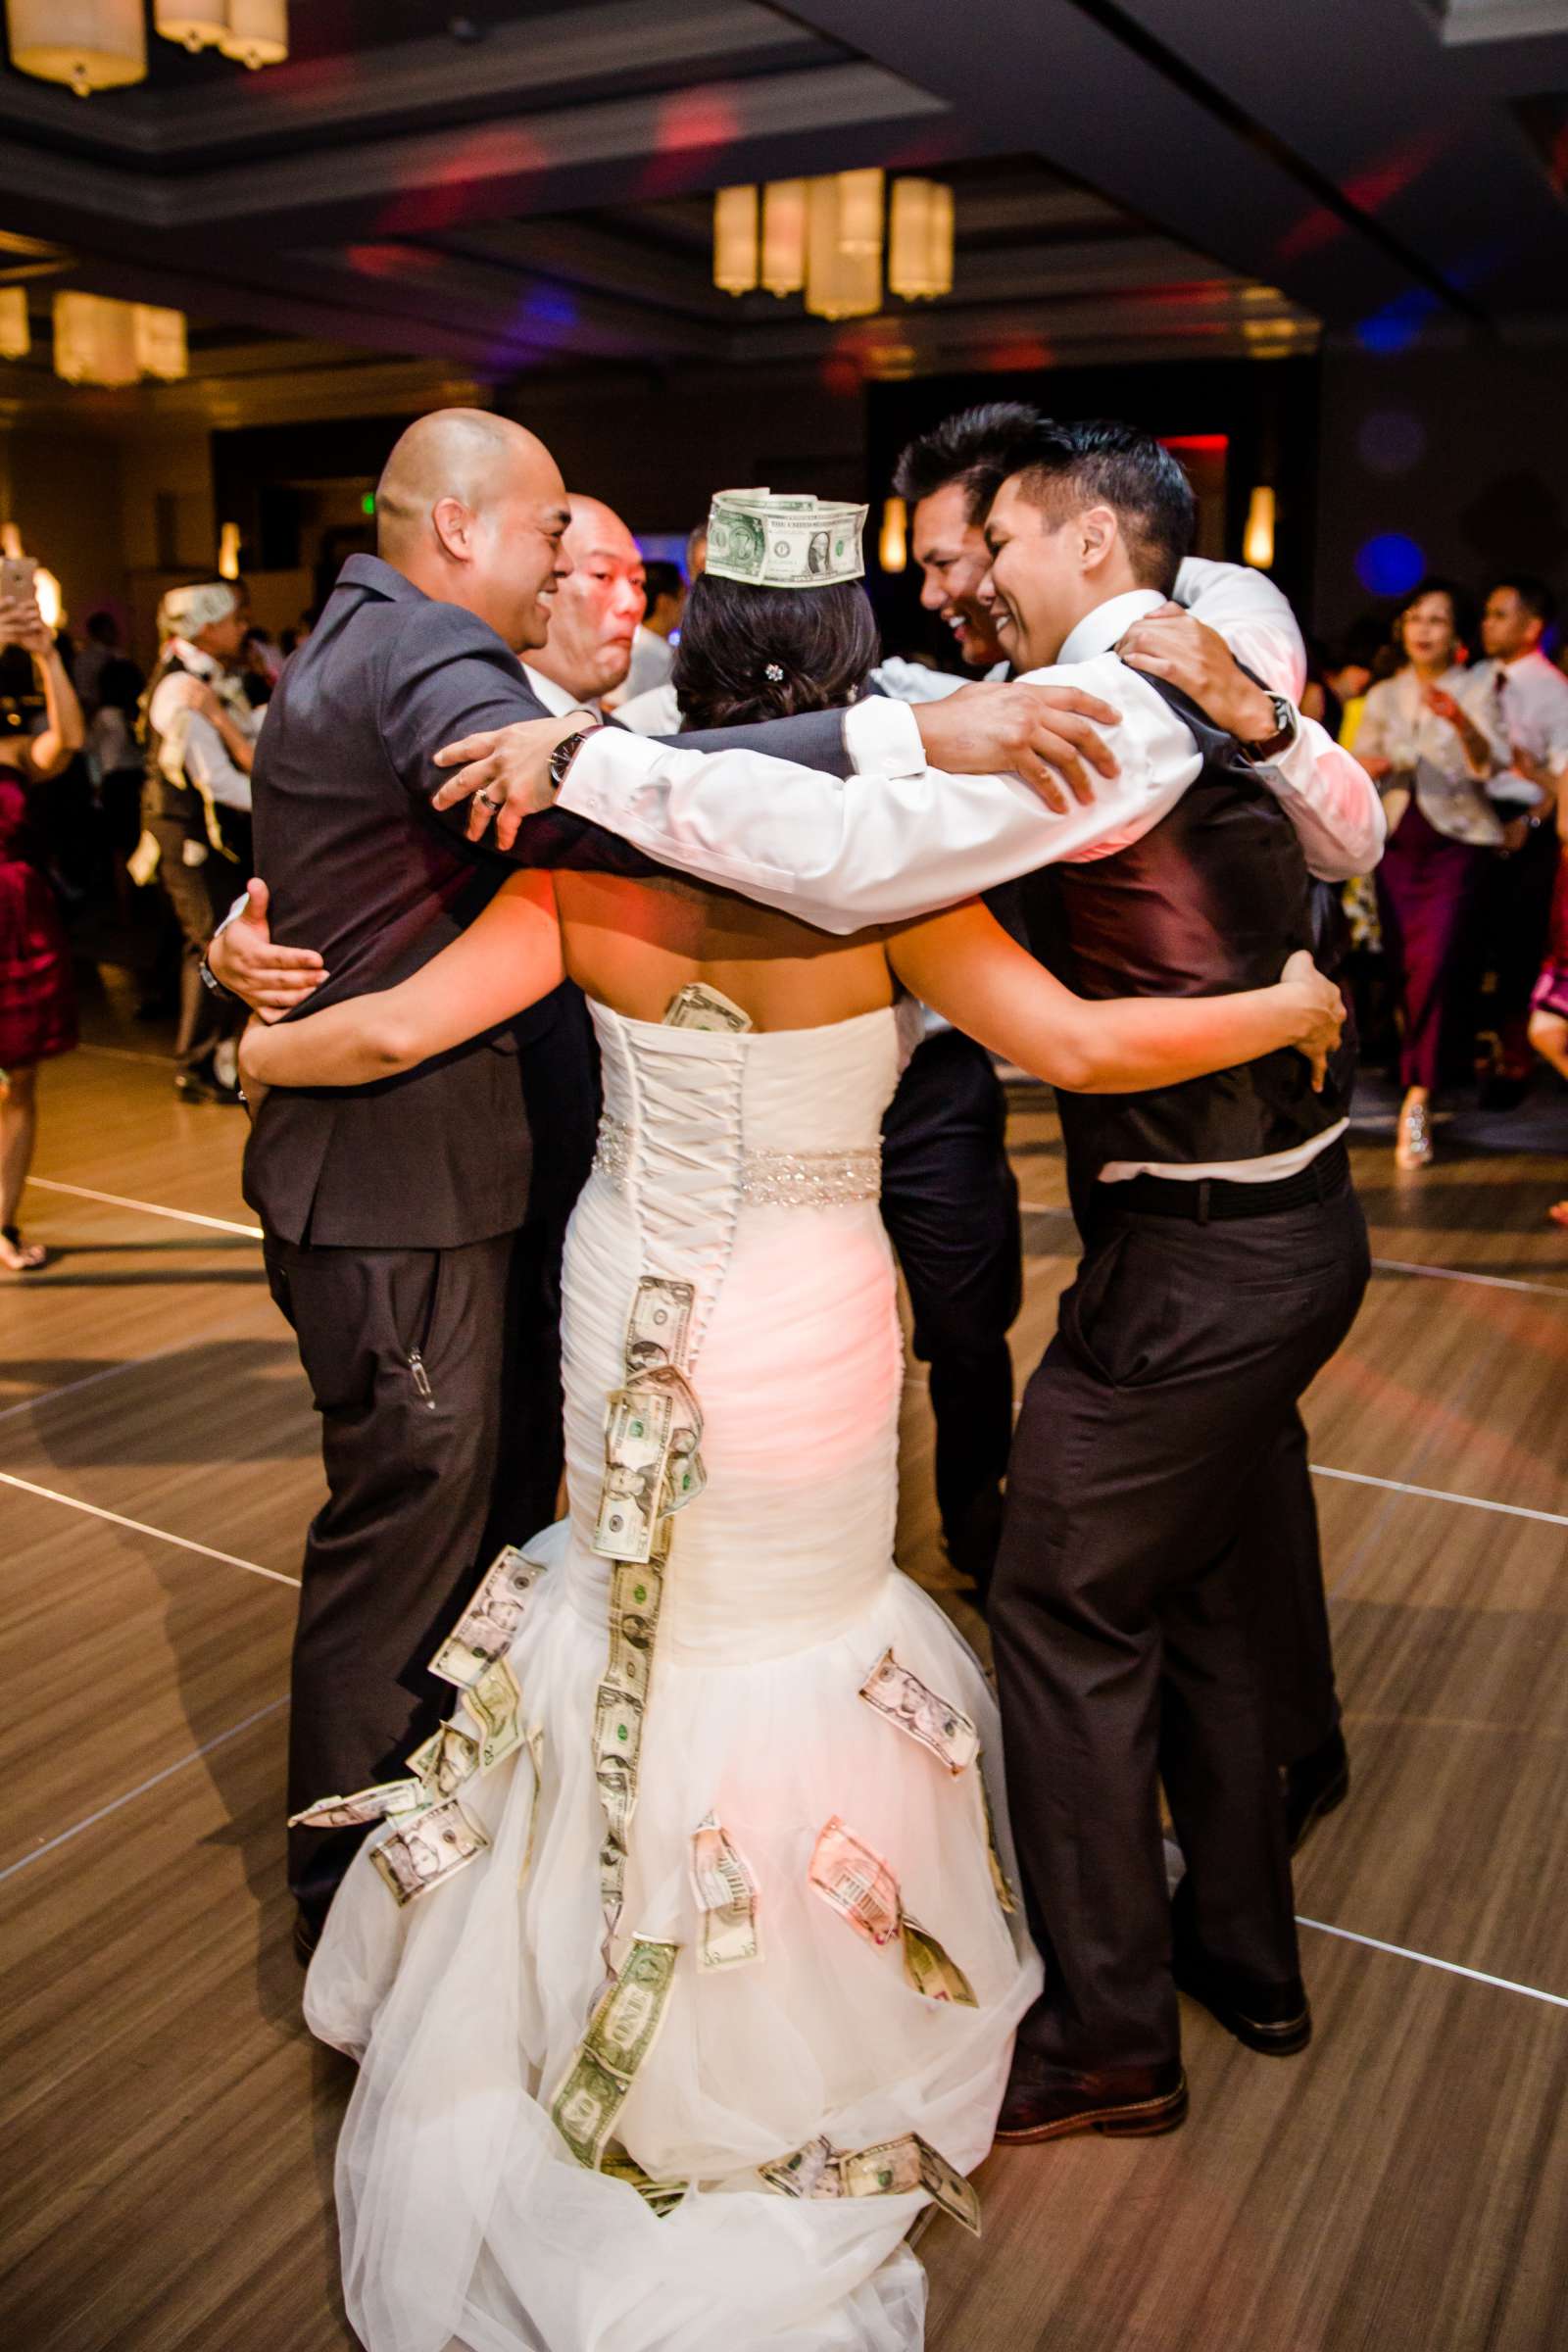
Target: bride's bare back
634, 945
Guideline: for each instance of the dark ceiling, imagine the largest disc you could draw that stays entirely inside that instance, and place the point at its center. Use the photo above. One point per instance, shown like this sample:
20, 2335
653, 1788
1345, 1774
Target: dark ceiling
508, 187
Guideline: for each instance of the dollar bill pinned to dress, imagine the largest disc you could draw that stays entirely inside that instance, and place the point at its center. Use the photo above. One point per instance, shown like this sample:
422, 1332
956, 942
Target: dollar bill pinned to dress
699, 1006
489, 1624
621, 2031
427, 1849
890, 2168
779, 542
936, 1723
379, 1803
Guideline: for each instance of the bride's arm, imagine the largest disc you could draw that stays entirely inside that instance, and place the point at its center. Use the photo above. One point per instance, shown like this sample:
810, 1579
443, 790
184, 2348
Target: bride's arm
964, 966
507, 959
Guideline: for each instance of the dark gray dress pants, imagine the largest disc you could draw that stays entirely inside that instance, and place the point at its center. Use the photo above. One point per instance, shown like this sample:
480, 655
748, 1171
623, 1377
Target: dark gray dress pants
1155, 1504
430, 1463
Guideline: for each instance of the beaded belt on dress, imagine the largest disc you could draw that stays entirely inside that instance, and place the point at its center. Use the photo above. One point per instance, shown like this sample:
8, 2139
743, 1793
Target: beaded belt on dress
769, 1179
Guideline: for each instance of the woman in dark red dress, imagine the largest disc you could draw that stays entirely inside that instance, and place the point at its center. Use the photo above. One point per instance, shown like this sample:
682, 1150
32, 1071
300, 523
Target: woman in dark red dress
37, 994
1549, 1016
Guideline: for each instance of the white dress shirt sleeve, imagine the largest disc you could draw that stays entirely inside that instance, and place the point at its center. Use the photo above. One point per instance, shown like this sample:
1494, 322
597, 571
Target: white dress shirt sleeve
1328, 796
1331, 801
1253, 618
894, 840
203, 750
208, 760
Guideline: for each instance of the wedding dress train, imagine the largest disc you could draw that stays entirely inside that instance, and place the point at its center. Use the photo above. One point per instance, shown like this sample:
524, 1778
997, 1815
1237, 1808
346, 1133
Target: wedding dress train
811, 2014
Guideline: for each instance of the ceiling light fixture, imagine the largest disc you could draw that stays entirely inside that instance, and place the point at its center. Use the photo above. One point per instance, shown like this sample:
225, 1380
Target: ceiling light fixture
254, 32
16, 336
735, 240
826, 235
87, 44
99, 341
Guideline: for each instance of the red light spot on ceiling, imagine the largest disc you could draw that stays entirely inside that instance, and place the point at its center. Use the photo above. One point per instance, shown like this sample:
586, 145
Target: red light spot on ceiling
1369, 190
470, 161
1213, 445
694, 127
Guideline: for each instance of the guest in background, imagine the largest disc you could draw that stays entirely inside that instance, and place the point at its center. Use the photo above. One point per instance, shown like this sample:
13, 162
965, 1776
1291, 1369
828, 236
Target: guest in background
114, 765
1430, 756
41, 733
196, 809
1526, 697
1549, 1016
103, 645
260, 662
652, 656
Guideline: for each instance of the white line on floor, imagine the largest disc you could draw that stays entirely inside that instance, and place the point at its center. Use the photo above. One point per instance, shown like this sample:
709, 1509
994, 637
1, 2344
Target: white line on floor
139, 1526
104, 1811
152, 1208
1450, 1968
1492, 1282
1474, 1503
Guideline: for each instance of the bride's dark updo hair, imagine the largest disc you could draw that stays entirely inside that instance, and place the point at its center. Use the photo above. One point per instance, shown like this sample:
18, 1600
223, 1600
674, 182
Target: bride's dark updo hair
748, 654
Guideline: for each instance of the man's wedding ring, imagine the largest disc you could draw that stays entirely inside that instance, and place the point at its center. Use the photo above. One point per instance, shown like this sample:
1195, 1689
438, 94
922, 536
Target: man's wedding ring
485, 802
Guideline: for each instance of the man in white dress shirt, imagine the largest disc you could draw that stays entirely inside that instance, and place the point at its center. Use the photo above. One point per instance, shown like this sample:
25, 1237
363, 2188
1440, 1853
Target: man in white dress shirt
1520, 696
196, 804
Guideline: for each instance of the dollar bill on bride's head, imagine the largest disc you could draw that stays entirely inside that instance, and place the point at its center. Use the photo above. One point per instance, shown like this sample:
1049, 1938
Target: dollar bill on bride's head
779, 542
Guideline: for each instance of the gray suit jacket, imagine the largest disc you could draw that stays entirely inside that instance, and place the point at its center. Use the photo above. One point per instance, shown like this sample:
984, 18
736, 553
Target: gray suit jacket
362, 868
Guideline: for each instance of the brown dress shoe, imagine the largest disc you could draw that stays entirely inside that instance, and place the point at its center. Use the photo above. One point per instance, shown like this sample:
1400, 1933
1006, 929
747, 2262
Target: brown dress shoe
1134, 2103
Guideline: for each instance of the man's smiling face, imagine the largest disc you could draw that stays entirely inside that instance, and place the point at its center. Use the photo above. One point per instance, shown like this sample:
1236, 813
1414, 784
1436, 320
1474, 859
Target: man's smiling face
954, 559
1035, 588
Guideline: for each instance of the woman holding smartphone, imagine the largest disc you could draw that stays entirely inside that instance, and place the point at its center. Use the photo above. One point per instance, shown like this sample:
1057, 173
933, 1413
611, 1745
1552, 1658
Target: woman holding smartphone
37, 994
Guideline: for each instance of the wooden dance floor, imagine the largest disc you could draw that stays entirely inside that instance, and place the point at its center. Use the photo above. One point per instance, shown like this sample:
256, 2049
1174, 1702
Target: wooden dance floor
169, 2125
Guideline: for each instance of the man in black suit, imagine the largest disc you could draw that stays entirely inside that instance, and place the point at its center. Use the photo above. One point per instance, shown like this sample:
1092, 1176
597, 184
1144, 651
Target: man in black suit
399, 1240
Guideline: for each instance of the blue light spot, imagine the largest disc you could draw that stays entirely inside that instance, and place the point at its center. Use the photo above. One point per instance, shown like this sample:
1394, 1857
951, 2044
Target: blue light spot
545, 306
1389, 564
1399, 323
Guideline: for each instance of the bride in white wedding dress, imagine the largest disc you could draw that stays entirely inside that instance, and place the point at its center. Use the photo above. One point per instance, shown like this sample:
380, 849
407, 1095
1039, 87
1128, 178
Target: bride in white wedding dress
684, 1971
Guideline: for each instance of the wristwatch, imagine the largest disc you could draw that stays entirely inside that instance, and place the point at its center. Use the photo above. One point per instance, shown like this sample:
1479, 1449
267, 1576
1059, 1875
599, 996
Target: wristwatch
1269, 747
565, 752
210, 980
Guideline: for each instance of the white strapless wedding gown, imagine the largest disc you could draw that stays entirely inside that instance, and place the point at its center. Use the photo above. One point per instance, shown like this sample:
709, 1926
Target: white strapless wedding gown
745, 1164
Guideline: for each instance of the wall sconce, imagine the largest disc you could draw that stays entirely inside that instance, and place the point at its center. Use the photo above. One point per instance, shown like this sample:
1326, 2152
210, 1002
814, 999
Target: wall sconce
50, 604
893, 547
1257, 544
229, 552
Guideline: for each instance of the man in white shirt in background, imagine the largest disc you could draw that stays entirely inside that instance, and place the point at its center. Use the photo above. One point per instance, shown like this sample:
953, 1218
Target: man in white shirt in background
653, 655
1522, 698
196, 809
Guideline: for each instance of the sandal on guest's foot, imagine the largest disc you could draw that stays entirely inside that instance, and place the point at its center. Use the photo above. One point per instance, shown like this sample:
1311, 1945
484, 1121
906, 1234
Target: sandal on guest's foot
17, 1256
1413, 1146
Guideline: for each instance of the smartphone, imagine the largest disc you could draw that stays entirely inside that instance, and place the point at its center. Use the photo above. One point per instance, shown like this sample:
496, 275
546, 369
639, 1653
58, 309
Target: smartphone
16, 576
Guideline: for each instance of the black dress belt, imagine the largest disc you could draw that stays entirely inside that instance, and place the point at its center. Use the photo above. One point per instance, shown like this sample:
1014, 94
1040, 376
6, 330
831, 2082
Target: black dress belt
1204, 1199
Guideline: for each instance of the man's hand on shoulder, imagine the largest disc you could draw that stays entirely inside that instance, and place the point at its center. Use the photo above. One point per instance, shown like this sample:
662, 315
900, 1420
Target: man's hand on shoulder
270, 980
1176, 645
506, 772
1046, 734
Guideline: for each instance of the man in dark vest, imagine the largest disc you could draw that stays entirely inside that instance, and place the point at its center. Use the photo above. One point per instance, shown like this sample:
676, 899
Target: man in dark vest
397, 1217
1226, 1256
